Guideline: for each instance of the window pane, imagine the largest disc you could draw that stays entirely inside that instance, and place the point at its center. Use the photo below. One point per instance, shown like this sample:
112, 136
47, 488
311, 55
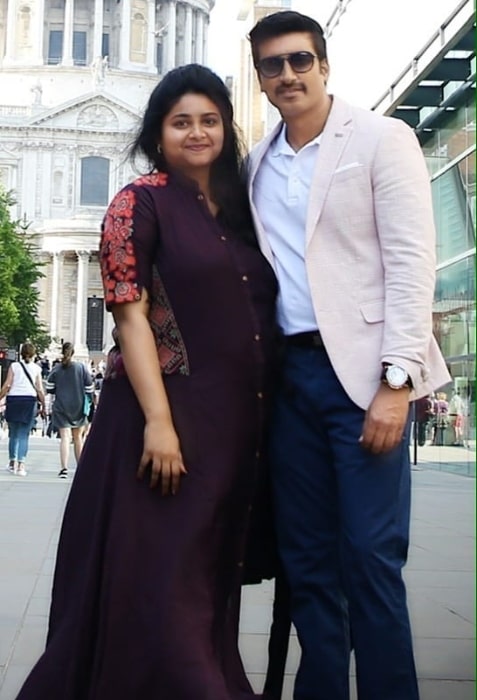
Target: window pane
94, 181
105, 45
453, 194
55, 46
454, 308
79, 48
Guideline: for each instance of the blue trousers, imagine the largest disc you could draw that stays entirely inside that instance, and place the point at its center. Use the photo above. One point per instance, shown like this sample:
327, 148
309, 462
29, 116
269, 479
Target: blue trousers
18, 438
343, 530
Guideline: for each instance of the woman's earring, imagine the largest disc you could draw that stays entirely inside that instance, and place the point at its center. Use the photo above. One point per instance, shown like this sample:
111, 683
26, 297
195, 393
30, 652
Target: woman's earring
159, 149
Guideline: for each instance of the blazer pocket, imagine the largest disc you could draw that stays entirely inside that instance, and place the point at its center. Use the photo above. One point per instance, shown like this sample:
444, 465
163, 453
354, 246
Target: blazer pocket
348, 172
373, 311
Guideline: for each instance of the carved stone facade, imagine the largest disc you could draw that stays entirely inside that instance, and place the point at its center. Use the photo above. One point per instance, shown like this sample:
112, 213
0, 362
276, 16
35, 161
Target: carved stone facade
75, 76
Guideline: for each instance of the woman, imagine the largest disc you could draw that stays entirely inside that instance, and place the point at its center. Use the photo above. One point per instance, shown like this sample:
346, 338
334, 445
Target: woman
441, 420
71, 384
147, 584
23, 389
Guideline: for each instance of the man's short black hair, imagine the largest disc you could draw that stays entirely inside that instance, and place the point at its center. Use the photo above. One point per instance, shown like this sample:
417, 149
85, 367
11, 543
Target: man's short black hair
287, 22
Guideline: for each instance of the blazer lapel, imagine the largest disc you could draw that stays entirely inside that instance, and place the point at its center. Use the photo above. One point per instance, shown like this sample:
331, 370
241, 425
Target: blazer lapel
336, 134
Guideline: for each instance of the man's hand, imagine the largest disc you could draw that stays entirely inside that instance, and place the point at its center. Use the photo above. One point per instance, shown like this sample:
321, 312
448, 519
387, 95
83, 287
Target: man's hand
385, 419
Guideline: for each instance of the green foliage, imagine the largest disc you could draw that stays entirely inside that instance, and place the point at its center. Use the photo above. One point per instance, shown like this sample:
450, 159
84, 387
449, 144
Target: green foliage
20, 271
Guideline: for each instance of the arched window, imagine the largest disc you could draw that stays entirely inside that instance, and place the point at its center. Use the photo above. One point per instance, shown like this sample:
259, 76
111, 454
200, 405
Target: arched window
138, 37
94, 181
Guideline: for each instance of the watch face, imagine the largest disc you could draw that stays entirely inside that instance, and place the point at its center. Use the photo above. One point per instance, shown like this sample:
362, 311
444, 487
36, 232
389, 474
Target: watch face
396, 376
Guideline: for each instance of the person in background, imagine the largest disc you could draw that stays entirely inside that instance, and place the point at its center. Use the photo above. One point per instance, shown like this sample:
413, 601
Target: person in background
424, 417
69, 381
151, 557
441, 418
343, 211
24, 392
45, 367
456, 416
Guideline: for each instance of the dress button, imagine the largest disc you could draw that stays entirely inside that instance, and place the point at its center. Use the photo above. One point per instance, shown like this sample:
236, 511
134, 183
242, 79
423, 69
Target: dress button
223, 238
259, 395
240, 564
257, 454
200, 197
244, 278
257, 337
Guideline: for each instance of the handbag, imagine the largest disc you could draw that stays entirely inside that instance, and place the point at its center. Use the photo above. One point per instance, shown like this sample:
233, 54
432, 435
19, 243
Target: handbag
87, 401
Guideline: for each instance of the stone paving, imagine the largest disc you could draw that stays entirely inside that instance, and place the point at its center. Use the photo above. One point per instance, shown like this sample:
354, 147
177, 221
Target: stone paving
440, 574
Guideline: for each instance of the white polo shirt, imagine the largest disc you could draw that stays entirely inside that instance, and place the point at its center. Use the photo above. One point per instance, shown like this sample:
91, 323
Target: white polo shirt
280, 195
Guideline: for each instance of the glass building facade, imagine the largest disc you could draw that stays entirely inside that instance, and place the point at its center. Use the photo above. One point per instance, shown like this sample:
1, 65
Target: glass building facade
438, 101
450, 153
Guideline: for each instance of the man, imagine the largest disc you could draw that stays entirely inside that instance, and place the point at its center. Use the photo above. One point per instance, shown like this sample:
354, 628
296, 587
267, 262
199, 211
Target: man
342, 206
424, 414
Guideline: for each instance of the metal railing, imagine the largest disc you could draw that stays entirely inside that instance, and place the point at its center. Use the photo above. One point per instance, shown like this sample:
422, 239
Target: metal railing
455, 25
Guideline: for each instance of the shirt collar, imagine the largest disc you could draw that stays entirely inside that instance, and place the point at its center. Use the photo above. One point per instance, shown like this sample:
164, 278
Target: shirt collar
281, 147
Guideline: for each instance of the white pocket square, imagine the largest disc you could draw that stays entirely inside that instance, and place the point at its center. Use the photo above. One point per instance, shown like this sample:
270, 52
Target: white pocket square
348, 166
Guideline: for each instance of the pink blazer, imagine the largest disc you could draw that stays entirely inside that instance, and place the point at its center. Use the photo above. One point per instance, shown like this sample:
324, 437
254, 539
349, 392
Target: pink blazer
370, 250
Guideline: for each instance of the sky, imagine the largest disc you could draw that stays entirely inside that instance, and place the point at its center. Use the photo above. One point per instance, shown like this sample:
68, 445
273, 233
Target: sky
373, 42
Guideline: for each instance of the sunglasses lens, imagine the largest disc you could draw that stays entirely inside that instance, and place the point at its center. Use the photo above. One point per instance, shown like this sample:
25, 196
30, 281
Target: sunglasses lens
301, 61
271, 67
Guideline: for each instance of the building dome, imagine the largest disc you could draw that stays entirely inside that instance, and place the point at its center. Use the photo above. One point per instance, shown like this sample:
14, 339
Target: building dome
75, 76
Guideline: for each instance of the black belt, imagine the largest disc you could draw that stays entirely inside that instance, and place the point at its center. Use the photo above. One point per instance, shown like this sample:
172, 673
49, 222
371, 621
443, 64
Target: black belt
309, 339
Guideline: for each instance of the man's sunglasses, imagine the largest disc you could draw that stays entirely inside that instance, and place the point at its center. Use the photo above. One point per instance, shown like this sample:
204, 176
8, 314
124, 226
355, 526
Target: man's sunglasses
299, 62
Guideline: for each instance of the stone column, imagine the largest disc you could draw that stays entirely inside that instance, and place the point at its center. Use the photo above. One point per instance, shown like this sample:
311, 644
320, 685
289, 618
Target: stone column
55, 292
199, 37
124, 35
151, 36
170, 37
67, 59
188, 35
81, 303
98, 29
10, 33
205, 39
37, 30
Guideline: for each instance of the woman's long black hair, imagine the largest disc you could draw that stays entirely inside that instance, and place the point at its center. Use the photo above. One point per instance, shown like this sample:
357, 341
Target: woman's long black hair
226, 186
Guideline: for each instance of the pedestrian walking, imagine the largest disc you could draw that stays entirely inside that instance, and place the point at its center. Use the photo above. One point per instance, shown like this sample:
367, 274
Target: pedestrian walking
24, 399
72, 387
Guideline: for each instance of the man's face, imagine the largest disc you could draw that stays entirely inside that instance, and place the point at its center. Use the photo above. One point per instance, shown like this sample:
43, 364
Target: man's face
294, 93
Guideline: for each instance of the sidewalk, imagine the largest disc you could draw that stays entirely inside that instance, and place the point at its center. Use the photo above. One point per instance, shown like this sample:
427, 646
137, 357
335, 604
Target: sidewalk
440, 576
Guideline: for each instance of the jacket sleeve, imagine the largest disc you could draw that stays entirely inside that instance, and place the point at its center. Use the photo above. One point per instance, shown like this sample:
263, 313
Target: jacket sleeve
405, 226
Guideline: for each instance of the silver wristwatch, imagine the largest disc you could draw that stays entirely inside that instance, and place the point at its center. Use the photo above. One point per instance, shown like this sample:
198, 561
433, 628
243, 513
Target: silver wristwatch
395, 377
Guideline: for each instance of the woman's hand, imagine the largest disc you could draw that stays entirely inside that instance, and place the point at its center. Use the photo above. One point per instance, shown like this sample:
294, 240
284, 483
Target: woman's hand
162, 453
139, 353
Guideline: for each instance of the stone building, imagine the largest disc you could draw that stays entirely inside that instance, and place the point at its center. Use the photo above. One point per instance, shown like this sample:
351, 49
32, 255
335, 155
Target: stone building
75, 76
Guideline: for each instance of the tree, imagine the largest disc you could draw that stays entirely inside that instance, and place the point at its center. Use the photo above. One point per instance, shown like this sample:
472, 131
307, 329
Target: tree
20, 271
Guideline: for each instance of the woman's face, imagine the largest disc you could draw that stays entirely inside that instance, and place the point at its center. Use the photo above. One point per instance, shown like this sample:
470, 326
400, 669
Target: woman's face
192, 134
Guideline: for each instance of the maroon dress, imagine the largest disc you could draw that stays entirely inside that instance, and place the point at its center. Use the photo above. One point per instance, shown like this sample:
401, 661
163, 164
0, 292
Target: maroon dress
146, 589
